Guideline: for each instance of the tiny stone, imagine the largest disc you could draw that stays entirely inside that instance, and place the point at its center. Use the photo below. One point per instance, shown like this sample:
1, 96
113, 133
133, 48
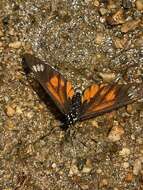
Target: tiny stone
115, 133
99, 38
1, 33
116, 19
10, 125
103, 183
87, 167
111, 4
73, 170
54, 165
107, 77
18, 110
94, 123
129, 108
139, 5
96, 3
125, 165
30, 115
84, 186
10, 111
15, 45
11, 32
120, 42
125, 152
99, 171
133, 137
1, 44
137, 166
130, 25
103, 11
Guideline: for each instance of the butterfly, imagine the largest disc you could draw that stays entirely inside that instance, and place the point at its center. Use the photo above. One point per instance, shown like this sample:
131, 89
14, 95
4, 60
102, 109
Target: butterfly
75, 106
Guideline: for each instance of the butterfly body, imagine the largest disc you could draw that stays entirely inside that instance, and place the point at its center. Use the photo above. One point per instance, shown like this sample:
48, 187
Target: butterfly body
95, 100
73, 115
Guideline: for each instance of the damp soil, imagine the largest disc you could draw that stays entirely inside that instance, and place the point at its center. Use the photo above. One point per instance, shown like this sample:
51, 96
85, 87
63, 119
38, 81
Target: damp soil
88, 41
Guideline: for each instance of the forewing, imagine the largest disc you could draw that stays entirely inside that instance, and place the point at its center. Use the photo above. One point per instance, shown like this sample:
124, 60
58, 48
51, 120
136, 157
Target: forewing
99, 99
59, 89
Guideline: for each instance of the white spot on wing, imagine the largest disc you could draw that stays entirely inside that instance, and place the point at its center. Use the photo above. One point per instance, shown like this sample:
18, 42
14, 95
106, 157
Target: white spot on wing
38, 68
42, 67
34, 68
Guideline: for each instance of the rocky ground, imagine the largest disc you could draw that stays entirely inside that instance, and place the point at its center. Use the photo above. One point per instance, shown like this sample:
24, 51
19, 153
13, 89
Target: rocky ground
88, 41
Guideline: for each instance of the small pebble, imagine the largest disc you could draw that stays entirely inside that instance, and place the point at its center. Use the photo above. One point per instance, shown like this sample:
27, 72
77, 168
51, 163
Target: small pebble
99, 38
73, 169
120, 42
10, 125
15, 45
129, 108
125, 165
87, 167
107, 77
54, 165
1, 44
116, 19
103, 11
99, 171
116, 133
96, 3
139, 5
130, 25
94, 123
103, 183
125, 152
1, 33
137, 166
111, 4
115, 188
10, 111
18, 110
30, 115
84, 187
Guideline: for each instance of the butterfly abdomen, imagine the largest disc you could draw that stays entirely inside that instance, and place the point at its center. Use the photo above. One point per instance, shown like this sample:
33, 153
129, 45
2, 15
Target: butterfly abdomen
72, 116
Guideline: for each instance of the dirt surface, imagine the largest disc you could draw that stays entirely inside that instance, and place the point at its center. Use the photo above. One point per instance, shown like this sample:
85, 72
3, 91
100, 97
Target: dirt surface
88, 41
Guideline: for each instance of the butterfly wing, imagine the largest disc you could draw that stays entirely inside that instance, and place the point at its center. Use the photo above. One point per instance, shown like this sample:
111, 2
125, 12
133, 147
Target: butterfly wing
58, 88
99, 99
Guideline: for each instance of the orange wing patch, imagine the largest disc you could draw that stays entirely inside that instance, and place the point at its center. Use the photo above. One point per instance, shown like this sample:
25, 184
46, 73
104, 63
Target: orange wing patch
98, 98
90, 92
60, 90
54, 81
69, 90
111, 95
53, 92
55, 86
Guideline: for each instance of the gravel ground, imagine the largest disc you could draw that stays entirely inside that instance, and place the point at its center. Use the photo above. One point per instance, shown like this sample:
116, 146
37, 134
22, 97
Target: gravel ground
88, 41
